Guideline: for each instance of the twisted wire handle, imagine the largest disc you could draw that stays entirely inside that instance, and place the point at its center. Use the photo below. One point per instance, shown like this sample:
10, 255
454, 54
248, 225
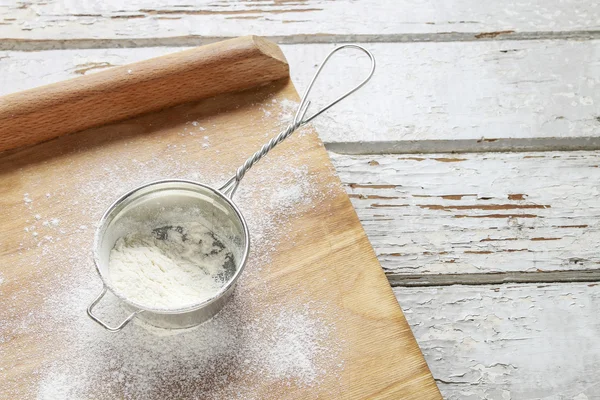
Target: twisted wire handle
231, 185
241, 171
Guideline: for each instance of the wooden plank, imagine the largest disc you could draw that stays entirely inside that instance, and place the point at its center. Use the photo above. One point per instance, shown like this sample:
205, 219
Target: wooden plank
310, 256
510, 341
473, 92
53, 19
424, 97
478, 213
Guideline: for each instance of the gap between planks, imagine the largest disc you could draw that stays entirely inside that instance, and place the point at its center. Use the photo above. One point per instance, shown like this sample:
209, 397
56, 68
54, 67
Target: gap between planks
324, 38
483, 145
424, 280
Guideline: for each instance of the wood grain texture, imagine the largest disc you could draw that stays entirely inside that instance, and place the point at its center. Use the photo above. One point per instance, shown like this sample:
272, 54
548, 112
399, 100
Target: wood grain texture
424, 97
165, 18
41, 114
324, 257
477, 213
509, 341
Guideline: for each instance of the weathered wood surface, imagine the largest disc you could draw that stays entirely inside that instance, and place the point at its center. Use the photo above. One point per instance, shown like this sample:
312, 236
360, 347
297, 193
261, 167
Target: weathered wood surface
436, 97
429, 97
424, 97
509, 341
478, 212
292, 20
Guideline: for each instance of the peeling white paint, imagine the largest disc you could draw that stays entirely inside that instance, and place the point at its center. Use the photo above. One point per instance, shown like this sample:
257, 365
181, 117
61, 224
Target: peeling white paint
460, 91
581, 396
54, 19
487, 212
543, 348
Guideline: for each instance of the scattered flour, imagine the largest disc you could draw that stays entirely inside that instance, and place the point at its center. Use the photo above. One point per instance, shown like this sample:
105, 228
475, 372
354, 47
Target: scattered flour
212, 361
192, 132
277, 336
52, 222
206, 143
170, 267
286, 111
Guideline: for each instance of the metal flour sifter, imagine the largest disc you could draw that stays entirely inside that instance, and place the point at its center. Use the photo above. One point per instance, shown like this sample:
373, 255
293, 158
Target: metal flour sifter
168, 203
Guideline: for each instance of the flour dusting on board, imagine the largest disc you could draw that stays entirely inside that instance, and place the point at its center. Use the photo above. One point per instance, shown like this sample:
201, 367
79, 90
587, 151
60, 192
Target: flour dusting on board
288, 339
212, 361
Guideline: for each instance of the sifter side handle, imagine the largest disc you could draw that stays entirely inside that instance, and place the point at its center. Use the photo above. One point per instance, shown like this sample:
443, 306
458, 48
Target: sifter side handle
229, 188
90, 312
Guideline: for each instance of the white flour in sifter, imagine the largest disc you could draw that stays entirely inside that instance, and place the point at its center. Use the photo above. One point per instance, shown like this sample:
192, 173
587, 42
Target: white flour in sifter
170, 266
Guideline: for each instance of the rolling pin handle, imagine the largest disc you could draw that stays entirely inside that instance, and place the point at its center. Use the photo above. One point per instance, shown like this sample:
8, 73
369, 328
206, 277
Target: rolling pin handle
90, 310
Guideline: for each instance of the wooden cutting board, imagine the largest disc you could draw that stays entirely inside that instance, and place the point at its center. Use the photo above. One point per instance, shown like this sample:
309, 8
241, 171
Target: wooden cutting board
313, 290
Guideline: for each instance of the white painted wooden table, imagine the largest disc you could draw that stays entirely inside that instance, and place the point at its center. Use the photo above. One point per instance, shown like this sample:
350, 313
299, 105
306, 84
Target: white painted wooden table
470, 158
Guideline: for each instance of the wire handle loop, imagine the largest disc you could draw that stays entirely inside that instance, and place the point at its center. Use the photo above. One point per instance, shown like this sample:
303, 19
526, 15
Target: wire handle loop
300, 119
90, 311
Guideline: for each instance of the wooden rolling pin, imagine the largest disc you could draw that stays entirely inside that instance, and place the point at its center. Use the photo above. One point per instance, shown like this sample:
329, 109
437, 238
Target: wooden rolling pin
43, 113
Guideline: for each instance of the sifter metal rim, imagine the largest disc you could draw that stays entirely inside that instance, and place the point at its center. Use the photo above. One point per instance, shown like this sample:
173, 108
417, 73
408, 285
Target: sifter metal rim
106, 281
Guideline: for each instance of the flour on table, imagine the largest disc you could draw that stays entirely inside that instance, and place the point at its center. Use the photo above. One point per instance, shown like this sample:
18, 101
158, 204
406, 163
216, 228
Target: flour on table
51, 222
171, 266
206, 143
283, 337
